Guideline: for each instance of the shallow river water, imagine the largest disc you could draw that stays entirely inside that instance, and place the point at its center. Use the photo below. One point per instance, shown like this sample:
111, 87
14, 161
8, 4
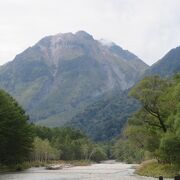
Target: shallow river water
105, 171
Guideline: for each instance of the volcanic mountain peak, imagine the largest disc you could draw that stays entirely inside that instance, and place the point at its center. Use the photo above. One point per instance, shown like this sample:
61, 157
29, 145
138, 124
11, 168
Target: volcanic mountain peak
65, 38
63, 73
84, 34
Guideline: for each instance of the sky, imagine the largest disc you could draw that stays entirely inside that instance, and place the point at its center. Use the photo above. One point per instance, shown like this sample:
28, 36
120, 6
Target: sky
148, 28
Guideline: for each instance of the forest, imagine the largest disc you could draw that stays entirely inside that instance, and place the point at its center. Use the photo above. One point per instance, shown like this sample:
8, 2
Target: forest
21, 141
152, 134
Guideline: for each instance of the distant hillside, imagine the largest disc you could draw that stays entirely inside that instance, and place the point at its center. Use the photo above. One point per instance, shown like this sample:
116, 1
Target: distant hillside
105, 118
61, 74
168, 65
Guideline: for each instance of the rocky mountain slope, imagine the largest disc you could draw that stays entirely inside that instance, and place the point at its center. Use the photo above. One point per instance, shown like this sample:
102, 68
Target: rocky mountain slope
61, 74
105, 118
168, 65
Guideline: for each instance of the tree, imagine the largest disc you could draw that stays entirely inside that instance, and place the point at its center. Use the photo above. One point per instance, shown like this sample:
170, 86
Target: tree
43, 151
125, 151
170, 148
16, 135
149, 92
69, 142
99, 154
155, 127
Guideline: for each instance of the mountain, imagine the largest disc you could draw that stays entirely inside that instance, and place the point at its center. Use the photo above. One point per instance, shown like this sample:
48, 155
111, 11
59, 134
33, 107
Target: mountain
168, 65
60, 75
104, 119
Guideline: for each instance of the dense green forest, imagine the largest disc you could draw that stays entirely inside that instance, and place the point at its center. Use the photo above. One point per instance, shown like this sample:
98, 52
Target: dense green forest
153, 132
65, 144
16, 135
104, 119
22, 142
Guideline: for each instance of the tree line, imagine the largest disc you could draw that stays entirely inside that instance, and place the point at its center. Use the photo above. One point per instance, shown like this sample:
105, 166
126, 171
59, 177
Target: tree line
22, 141
153, 132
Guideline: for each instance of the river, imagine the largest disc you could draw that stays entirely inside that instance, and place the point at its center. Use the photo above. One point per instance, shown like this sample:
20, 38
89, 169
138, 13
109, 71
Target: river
104, 171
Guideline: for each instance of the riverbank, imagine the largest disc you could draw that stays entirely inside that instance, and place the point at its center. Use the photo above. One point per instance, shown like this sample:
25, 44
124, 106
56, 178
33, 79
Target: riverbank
103, 171
154, 169
31, 164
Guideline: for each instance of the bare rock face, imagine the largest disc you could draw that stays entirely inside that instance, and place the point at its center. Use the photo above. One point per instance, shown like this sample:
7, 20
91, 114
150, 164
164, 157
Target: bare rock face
61, 74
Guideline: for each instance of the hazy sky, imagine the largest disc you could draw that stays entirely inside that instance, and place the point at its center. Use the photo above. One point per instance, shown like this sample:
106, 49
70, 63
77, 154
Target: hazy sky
148, 28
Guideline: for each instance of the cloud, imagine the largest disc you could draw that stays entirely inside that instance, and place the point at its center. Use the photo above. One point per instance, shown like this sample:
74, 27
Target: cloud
148, 28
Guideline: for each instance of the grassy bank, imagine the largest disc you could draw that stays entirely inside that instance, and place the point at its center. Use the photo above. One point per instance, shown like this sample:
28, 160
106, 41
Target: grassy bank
29, 164
154, 169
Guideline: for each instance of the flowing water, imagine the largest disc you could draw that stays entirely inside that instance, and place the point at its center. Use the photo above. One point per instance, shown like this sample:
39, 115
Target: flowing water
104, 171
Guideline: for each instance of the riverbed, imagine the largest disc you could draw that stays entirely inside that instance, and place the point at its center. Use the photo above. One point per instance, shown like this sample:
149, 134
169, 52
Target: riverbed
104, 171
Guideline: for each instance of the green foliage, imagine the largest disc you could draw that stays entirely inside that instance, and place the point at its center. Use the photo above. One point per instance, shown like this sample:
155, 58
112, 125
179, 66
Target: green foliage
103, 120
43, 151
155, 127
43, 132
99, 154
16, 134
65, 144
124, 151
149, 92
170, 148
154, 169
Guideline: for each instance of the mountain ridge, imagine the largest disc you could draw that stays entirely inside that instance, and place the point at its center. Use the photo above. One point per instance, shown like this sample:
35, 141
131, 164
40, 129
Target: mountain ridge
168, 65
76, 80
102, 121
61, 74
